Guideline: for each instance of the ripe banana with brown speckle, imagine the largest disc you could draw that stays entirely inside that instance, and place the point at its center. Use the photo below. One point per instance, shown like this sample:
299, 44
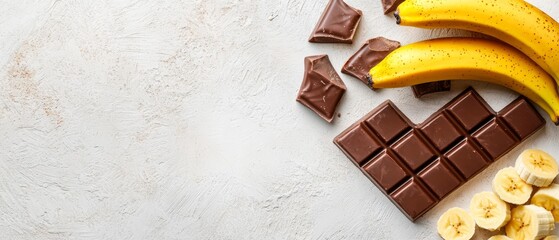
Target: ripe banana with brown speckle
515, 22
468, 59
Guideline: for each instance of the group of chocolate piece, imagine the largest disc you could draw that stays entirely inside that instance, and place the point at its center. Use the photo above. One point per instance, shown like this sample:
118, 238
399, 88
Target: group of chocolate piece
416, 166
322, 87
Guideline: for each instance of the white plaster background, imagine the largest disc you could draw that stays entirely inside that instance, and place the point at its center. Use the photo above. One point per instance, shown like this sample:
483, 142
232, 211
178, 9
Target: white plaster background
177, 120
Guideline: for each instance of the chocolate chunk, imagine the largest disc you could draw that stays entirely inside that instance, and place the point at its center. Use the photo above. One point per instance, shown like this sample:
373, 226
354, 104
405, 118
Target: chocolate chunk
416, 166
368, 56
337, 24
390, 5
322, 87
423, 89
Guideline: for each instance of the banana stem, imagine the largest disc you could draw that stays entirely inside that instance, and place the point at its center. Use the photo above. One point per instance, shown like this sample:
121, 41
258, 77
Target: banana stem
397, 16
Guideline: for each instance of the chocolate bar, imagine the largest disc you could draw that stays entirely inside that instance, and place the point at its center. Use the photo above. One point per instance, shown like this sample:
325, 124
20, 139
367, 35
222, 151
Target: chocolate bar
337, 24
416, 166
322, 87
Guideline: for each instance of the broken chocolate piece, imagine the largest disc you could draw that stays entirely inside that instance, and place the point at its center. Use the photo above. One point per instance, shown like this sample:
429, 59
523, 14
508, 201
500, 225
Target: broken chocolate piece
390, 5
368, 56
432, 87
322, 87
416, 166
337, 24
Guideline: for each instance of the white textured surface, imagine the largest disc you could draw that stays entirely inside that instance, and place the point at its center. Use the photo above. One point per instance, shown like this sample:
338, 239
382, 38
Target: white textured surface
177, 120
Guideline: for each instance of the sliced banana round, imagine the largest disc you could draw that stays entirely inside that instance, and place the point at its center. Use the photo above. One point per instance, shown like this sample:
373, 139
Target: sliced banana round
548, 198
456, 224
489, 211
529, 222
499, 237
508, 185
551, 237
536, 167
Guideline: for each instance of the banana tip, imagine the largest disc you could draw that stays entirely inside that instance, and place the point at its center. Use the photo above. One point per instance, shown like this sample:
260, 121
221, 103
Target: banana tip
370, 82
397, 16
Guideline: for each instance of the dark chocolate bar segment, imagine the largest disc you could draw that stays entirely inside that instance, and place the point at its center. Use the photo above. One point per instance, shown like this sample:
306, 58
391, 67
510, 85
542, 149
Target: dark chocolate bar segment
413, 199
467, 159
413, 151
522, 118
388, 122
440, 178
441, 131
385, 170
416, 166
495, 139
337, 24
359, 143
470, 110
322, 88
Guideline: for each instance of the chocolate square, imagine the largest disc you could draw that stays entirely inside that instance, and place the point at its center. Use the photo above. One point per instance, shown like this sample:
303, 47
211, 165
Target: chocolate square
385, 171
388, 122
440, 131
413, 199
470, 110
358, 144
413, 151
494, 139
466, 159
522, 118
439, 178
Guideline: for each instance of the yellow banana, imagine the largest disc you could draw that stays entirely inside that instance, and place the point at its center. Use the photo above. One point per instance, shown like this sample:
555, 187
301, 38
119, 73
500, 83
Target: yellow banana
515, 22
467, 59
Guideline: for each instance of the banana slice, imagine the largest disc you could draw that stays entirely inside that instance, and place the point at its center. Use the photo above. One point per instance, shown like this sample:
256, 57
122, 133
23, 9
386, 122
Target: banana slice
551, 237
489, 211
510, 187
548, 198
536, 167
530, 222
499, 237
456, 224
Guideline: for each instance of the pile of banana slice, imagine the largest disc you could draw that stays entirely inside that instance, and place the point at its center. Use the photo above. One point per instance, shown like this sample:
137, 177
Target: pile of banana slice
512, 188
